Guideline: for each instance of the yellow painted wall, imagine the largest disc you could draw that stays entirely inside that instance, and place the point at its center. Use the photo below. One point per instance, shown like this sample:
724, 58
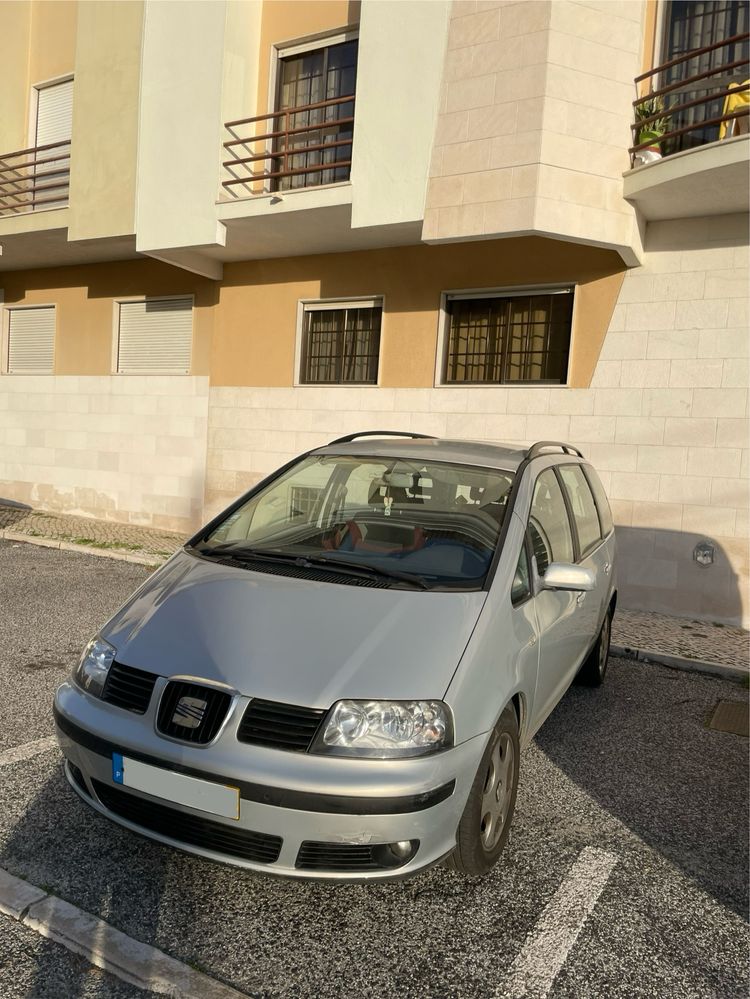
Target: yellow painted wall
52, 51
245, 327
105, 119
255, 331
84, 297
37, 43
284, 20
15, 28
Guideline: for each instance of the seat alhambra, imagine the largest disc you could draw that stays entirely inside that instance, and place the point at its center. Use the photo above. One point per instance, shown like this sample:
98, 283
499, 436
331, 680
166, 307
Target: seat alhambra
336, 677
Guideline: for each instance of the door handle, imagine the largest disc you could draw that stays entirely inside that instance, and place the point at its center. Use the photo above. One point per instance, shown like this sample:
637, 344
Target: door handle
607, 567
580, 598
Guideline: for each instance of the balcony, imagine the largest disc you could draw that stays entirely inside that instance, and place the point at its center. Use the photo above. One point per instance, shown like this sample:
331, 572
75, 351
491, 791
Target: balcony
293, 149
34, 179
689, 155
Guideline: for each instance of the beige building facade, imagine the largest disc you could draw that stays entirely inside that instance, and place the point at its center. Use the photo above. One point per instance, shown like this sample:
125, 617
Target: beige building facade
404, 216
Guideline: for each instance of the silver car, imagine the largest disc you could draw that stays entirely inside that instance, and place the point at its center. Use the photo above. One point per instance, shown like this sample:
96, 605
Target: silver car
336, 677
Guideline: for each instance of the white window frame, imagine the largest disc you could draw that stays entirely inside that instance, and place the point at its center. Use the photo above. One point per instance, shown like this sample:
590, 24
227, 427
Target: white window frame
320, 304
115, 355
515, 291
5, 338
296, 46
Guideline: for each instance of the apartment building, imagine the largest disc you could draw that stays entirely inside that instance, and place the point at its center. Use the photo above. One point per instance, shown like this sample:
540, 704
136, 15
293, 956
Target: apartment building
232, 230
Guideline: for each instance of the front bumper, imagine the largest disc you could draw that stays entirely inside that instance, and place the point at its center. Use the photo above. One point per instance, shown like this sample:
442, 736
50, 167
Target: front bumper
289, 800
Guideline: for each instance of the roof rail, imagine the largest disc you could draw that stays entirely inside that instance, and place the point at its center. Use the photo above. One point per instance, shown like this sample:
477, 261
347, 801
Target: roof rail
536, 449
381, 433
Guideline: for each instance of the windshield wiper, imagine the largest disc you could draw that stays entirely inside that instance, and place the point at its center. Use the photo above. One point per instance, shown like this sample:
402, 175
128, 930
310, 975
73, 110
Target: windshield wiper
366, 567
244, 554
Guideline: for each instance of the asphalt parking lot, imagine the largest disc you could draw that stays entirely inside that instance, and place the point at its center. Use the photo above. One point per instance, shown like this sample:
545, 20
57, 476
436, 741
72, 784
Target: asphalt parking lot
630, 770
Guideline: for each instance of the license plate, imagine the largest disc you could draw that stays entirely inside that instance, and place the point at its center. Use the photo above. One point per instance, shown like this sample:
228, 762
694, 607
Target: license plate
218, 799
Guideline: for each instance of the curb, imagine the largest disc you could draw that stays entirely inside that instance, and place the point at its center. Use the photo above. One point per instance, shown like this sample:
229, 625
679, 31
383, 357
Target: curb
102, 945
70, 546
722, 670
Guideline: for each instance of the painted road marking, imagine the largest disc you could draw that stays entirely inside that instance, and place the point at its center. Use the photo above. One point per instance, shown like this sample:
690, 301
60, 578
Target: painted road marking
547, 947
104, 946
29, 749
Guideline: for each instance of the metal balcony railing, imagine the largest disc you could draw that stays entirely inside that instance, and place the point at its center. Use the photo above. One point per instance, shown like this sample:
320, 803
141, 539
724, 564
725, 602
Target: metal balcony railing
696, 98
34, 179
296, 147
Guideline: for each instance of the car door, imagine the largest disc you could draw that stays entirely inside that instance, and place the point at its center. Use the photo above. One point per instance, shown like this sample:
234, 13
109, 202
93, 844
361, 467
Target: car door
592, 550
563, 642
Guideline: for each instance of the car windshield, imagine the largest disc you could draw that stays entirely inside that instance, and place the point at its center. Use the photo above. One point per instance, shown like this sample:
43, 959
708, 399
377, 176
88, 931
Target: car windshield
425, 523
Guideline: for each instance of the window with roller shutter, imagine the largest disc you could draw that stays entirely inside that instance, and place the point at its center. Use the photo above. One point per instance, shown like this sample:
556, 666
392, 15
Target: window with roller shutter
155, 335
31, 340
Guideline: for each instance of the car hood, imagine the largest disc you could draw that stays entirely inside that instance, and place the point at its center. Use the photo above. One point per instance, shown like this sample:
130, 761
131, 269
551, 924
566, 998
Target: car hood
293, 640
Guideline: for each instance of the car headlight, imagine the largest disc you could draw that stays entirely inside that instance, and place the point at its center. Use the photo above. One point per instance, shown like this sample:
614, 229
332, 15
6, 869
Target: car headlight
93, 668
385, 729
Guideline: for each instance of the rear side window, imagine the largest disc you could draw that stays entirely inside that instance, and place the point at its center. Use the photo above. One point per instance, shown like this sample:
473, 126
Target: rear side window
582, 505
602, 504
549, 527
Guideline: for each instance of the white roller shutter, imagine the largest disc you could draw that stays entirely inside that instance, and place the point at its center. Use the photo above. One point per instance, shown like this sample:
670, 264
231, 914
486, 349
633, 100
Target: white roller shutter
155, 335
31, 336
54, 114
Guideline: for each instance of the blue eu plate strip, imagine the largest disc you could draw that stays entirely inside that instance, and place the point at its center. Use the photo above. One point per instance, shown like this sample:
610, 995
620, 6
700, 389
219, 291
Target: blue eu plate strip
118, 768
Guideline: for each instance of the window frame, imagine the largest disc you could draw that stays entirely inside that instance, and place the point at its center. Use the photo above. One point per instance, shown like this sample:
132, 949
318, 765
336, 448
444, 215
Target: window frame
514, 291
5, 338
333, 304
115, 352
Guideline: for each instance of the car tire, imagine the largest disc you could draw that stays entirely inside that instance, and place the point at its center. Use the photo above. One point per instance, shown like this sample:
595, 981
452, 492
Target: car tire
485, 824
594, 668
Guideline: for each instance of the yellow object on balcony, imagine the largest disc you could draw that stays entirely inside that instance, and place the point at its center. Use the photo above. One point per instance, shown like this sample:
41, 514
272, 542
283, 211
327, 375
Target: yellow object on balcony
736, 100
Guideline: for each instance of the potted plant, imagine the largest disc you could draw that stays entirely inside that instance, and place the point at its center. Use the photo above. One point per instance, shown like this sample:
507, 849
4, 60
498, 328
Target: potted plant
652, 131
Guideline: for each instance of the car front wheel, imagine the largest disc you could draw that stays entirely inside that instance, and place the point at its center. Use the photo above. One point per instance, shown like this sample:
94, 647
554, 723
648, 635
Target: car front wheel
485, 824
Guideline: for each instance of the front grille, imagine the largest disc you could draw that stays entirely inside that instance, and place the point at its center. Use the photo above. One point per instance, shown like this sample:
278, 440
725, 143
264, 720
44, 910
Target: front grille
260, 848
208, 723
129, 688
348, 857
282, 726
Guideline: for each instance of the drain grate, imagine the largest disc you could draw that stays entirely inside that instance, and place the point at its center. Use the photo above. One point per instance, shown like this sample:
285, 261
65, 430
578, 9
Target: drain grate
730, 716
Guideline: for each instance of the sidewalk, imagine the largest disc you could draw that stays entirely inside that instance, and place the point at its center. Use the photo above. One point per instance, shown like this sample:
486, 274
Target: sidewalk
680, 642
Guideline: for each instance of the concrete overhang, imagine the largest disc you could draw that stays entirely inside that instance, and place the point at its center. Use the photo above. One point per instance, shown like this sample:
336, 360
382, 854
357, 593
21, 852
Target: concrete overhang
710, 180
50, 248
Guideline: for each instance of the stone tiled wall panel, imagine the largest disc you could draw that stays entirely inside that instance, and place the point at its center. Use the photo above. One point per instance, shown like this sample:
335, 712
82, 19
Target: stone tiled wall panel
130, 449
664, 420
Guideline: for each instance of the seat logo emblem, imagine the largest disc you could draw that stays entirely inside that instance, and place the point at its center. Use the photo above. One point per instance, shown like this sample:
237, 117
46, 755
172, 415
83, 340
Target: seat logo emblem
189, 712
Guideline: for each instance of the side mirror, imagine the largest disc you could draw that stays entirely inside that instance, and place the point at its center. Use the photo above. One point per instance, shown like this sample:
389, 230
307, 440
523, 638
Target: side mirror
564, 576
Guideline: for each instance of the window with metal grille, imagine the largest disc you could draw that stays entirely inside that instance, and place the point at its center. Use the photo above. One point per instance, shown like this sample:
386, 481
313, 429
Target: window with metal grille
320, 133
155, 335
31, 340
341, 343
302, 500
510, 338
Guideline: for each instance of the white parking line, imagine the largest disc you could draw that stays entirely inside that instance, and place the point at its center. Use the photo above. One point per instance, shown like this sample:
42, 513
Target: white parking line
27, 750
547, 947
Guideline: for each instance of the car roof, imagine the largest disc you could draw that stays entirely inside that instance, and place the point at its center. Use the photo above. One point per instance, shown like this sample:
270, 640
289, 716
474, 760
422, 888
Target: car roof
484, 453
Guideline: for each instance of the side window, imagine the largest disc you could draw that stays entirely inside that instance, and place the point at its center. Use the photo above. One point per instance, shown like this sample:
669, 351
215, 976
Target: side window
583, 506
602, 504
549, 527
521, 588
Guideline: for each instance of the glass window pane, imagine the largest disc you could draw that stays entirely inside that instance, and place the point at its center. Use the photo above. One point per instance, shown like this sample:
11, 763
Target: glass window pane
341, 346
602, 503
521, 588
524, 338
549, 527
583, 506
